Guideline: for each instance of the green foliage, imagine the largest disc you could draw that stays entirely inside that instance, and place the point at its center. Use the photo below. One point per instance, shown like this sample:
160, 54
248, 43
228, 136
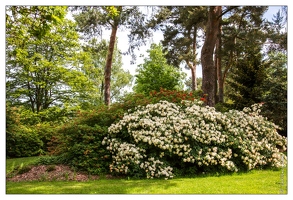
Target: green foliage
277, 31
112, 11
246, 81
161, 139
22, 141
28, 133
275, 91
224, 107
42, 71
79, 142
49, 160
23, 170
266, 82
94, 70
174, 95
14, 163
155, 73
49, 15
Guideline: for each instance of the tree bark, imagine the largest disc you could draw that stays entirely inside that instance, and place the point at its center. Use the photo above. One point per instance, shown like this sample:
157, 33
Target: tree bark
193, 78
219, 65
208, 67
108, 66
193, 75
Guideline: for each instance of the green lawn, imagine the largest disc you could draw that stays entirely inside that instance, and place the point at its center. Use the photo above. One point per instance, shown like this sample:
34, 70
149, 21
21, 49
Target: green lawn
254, 182
12, 164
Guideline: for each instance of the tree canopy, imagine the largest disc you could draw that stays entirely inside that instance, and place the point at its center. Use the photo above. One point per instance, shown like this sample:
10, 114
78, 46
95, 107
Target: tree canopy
180, 26
156, 73
42, 57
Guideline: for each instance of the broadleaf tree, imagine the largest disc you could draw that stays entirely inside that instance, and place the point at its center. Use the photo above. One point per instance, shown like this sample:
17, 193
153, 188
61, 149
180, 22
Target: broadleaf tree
155, 73
41, 56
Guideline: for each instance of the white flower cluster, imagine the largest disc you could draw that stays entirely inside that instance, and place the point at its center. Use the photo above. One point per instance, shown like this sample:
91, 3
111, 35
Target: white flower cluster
156, 168
194, 134
217, 156
125, 154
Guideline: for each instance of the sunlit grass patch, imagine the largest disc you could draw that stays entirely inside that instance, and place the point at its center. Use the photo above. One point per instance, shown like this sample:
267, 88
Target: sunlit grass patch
254, 182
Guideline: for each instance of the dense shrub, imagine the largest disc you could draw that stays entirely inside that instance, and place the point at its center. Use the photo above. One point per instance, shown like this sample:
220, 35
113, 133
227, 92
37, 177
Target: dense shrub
26, 133
20, 140
175, 96
131, 101
46, 131
81, 148
23, 141
29, 140
49, 160
80, 142
161, 139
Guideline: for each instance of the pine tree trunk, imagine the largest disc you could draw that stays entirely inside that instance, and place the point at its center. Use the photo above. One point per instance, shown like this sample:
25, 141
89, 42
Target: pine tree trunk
192, 65
193, 75
219, 65
108, 66
193, 78
208, 67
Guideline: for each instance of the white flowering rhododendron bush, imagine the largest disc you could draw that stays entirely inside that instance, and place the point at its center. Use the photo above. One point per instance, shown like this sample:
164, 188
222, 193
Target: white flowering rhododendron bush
167, 139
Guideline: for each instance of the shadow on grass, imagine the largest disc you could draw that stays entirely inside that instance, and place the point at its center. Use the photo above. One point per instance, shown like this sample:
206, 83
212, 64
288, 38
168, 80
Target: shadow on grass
91, 187
254, 182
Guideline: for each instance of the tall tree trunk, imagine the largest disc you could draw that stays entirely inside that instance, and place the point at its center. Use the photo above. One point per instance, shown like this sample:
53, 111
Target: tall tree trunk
193, 75
193, 68
208, 67
192, 64
218, 61
102, 91
216, 73
108, 66
193, 78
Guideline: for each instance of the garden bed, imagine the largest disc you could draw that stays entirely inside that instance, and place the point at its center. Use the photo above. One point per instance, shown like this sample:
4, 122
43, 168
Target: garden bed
52, 173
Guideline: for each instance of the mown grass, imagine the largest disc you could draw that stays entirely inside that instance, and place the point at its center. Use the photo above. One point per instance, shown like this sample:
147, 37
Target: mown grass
14, 163
254, 182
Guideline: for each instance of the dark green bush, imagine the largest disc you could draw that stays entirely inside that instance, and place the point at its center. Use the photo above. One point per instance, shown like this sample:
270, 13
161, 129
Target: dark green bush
46, 132
49, 160
22, 141
80, 145
28, 133
28, 140
224, 107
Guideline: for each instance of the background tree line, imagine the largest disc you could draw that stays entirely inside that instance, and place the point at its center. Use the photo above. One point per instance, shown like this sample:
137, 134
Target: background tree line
55, 66
240, 52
